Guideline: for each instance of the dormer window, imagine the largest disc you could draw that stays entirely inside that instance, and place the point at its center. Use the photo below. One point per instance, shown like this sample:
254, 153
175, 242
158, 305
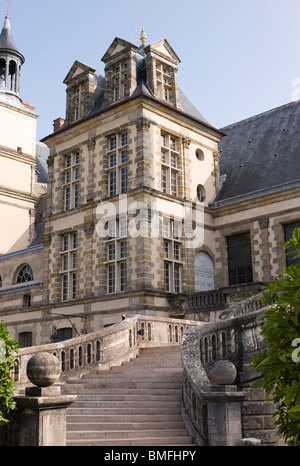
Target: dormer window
120, 81
163, 87
78, 105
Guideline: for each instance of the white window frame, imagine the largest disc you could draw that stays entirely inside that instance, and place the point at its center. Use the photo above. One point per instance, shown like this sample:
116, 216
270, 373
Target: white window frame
118, 164
71, 173
172, 245
163, 75
169, 164
120, 80
69, 260
117, 254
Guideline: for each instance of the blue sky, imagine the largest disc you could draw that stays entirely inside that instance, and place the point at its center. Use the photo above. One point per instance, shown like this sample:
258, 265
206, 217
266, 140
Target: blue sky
238, 58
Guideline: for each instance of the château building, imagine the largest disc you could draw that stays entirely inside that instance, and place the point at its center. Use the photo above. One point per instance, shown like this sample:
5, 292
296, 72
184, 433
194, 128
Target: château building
147, 203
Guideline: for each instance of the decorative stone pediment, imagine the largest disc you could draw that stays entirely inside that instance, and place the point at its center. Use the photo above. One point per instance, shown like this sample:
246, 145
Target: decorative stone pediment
118, 48
78, 69
163, 49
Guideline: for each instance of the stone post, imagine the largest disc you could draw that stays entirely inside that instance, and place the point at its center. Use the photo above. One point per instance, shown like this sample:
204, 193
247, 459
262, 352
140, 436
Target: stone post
41, 413
224, 414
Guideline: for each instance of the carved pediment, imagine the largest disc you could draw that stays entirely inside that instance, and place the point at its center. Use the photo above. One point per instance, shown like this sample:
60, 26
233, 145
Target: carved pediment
77, 69
118, 48
163, 49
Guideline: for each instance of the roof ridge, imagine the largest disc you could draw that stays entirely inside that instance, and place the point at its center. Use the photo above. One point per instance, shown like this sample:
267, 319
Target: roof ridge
261, 115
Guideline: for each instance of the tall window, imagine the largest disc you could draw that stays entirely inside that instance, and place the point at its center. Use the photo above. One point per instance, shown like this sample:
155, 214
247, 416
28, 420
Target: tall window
171, 233
71, 181
169, 164
117, 164
163, 84
120, 81
239, 259
69, 266
288, 232
117, 256
77, 103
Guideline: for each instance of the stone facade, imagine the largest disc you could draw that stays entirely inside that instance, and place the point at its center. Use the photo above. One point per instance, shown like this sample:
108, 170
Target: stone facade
129, 163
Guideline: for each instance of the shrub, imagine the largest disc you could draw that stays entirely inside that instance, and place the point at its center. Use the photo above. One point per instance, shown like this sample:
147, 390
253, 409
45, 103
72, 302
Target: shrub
7, 347
279, 363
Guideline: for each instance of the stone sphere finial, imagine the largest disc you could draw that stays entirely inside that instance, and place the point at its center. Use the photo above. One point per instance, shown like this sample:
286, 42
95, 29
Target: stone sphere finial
222, 372
43, 369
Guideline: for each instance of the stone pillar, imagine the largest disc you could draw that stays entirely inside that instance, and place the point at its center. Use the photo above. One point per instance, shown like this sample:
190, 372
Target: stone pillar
41, 413
224, 412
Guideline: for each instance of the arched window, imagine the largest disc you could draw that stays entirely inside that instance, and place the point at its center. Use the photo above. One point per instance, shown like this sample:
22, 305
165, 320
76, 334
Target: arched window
201, 193
25, 274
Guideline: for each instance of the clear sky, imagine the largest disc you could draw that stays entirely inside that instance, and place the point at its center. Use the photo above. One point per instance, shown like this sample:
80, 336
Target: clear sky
238, 58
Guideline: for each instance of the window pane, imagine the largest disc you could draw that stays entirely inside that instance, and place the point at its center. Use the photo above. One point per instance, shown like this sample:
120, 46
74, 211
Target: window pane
25, 339
176, 278
111, 252
167, 276
65, 288
123, 276
65, 262
124, 139
124, 156
74, 278
239, 259
67, 198
111, 279
174, 183
113, 160
113, 143
124, 180
76, 195
25, 274
113, 183
123, 249
163, 179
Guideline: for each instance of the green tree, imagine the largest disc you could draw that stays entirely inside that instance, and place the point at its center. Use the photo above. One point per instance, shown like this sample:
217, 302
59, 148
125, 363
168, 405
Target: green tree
7, 347
279, 362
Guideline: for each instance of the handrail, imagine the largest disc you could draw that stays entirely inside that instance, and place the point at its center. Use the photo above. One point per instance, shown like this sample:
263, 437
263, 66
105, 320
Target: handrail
236, 339
107, 347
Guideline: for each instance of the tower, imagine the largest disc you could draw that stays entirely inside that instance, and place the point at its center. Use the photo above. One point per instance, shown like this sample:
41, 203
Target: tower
17, 150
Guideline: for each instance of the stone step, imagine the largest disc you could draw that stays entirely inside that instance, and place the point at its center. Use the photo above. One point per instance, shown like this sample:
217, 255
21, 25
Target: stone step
139, 405
155, 441
124, 434
116, 384
145, 392
124, 426
121, 415
129, 377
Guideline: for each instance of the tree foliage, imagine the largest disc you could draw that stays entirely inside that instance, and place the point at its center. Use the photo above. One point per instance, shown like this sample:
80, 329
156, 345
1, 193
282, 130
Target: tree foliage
7, 347
280, 362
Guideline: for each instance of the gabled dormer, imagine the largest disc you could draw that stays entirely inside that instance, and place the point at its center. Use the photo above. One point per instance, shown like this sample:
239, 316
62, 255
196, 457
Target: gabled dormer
120, 71
81, 85
161, 70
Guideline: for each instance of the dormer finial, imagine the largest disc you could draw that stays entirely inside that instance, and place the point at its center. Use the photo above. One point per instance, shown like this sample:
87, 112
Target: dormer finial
143, 36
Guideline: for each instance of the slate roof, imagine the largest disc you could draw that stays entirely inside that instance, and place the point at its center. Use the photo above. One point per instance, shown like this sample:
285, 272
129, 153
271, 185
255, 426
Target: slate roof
6, 38
261, 153
42, 154
141, 89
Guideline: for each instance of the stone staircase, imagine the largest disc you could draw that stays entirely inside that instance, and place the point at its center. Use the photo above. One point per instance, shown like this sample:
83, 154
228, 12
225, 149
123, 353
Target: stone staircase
136, 404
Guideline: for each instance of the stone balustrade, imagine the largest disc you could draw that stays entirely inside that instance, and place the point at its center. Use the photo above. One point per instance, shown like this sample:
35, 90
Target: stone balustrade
234, 340
105, 348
